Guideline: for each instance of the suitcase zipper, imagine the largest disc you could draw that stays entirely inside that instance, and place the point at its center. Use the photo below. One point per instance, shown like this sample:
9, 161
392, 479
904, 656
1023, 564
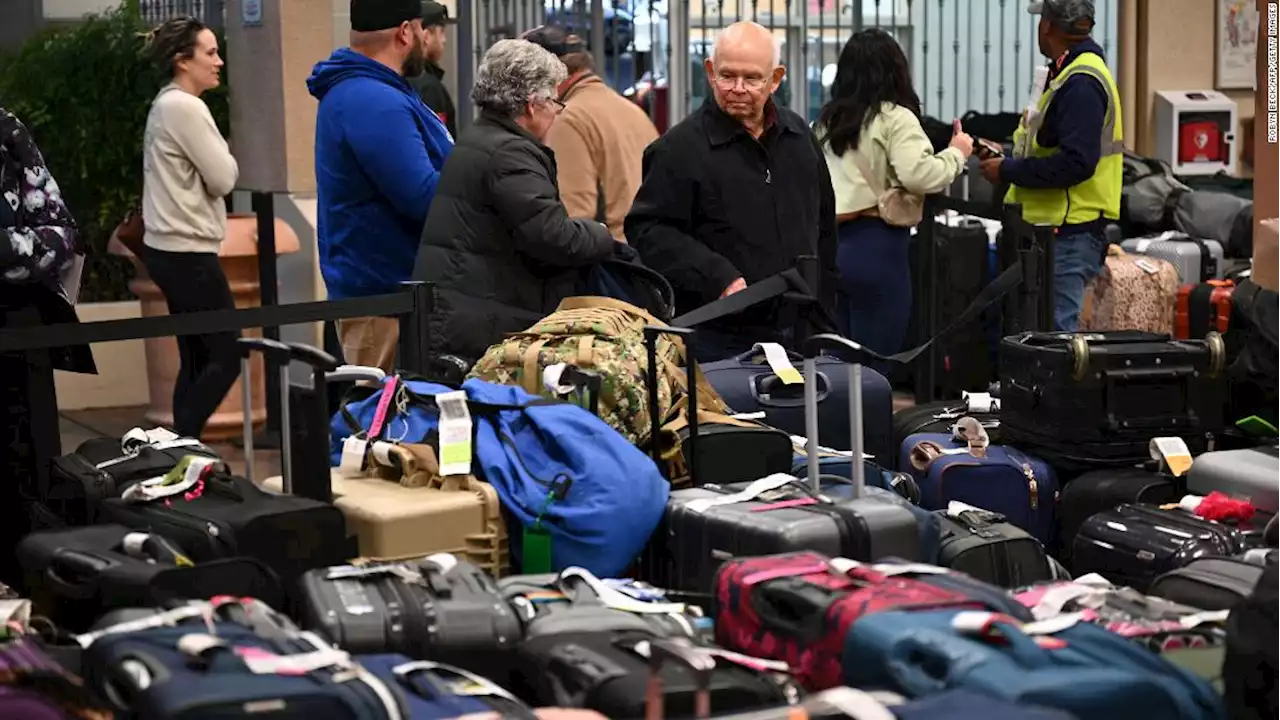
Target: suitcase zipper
208, 530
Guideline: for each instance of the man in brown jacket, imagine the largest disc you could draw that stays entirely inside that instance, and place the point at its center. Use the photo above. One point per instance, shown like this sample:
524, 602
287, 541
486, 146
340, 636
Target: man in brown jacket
598, 140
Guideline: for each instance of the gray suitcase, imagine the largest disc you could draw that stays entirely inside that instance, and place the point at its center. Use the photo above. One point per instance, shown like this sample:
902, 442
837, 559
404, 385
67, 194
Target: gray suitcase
1210, 583
1252, 473
1197, 260
827, 514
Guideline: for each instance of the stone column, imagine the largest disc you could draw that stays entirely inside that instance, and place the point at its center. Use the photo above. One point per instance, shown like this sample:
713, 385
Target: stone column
273, 122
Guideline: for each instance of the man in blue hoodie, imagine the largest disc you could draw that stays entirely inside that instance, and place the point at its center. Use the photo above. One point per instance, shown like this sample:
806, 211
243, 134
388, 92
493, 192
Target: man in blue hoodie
379, 151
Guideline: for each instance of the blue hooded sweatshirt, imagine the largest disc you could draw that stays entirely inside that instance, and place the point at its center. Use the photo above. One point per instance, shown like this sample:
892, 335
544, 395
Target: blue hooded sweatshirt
379, 152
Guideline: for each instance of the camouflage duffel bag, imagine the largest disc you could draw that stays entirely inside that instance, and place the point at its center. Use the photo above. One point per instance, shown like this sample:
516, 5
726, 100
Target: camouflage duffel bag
606, 337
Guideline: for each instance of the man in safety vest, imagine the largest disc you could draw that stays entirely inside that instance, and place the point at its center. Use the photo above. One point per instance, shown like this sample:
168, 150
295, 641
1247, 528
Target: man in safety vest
1067, 164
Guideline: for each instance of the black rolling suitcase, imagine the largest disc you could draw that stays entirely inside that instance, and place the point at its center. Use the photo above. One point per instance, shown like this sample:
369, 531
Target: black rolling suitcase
437, 610
779, 513
984, 545
1134, 544
1089, 400
225, 515
1101, 490
74, 575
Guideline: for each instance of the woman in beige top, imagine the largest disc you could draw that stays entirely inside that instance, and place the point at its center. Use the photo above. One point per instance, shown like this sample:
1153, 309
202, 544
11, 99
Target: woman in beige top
188, 171
873, 120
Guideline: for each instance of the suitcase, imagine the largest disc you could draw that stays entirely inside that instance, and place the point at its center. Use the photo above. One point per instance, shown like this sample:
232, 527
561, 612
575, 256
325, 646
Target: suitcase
450, 613
232, 518
161, 673
838, 466
1195, 259
778, 513
410, 511
1209, 583
1088, 400
798, 607
1251, 665
939, 417
1071, 665
749, 385
75, 575
101, 468
985, 546
1100, 490
1203, 307
1253, 473
1020, 487
435, 691
1134, 544
1133, 292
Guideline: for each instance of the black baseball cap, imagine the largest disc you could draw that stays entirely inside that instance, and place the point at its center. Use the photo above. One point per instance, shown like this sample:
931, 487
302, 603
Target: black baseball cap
555, 39
374, 15
434, 14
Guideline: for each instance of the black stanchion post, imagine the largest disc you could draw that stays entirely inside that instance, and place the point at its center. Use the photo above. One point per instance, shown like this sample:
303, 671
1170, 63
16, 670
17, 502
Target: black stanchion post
264, 207
1048, 283
415, 347
926, 294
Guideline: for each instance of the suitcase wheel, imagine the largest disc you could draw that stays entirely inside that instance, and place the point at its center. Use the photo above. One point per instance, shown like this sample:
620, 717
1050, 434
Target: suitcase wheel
1079, 349
1217, 353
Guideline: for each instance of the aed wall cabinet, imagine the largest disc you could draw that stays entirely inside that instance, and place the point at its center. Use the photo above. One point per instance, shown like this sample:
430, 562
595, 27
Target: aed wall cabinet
1196, 131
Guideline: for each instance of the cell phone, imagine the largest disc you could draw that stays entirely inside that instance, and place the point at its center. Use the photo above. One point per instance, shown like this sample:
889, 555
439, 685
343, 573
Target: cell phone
987, 150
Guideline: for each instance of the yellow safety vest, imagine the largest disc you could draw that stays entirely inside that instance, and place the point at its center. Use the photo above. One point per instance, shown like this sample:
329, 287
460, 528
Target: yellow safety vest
1099, 196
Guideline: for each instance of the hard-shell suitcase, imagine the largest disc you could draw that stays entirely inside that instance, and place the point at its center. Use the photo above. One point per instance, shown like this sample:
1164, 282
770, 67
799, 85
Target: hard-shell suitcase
1209, 583
1003, 480
984, 545
939, 417
1252, 473
1203, 307
1134, 544
748, 384
1196, 260
1088, 400
441, 609
1100, 490
1133, 292
405, 509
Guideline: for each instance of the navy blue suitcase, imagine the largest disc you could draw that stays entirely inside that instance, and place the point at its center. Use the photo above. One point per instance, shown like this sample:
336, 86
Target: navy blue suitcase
434, 691
748, 385
1007, 481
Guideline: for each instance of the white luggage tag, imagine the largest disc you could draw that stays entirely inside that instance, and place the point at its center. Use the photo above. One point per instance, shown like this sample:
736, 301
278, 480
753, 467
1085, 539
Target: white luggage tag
164, 619
619, 600
455, 433
180, 480
842, 566
801, 443
1172, 453
747, 494
981, 402
776, 356
754, 663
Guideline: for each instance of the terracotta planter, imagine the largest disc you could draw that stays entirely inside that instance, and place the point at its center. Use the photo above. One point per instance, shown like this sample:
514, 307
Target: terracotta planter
239, 259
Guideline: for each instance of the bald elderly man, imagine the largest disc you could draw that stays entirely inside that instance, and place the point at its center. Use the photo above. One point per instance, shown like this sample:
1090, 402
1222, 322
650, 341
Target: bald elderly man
734, 193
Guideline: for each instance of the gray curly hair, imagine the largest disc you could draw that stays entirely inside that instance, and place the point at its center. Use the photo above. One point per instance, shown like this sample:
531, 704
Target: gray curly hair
512, 72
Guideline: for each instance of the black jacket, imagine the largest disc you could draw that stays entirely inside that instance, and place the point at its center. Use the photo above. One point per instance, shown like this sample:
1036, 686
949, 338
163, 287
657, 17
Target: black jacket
715, 204
430, 87
498, 244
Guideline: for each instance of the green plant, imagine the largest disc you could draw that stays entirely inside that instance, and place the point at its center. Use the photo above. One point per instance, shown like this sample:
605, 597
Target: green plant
84, 91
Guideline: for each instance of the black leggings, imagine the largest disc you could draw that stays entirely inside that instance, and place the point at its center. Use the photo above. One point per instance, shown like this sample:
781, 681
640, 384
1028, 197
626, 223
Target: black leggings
210, 364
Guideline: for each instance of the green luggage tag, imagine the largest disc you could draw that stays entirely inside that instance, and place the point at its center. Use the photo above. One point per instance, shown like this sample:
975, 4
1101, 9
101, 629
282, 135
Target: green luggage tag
536, 547
1257, 427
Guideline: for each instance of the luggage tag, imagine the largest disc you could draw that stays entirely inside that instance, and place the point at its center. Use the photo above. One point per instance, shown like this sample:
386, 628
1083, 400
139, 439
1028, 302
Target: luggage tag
1172, 453
776, 356
536, 547
186, 478
455, 433
1147, 266
355, 449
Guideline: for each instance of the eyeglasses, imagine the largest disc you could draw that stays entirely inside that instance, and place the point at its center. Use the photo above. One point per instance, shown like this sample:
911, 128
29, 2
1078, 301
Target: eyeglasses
729, 82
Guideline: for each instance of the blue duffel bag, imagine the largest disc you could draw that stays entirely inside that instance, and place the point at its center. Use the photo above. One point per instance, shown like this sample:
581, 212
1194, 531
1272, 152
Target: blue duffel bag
1060, 663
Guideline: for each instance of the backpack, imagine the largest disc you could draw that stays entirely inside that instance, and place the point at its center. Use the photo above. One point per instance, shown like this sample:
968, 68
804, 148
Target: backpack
606, 336
609, 495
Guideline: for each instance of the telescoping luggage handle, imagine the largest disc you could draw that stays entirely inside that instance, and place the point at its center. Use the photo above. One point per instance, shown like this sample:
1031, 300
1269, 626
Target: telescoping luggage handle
282, 354
812, 348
